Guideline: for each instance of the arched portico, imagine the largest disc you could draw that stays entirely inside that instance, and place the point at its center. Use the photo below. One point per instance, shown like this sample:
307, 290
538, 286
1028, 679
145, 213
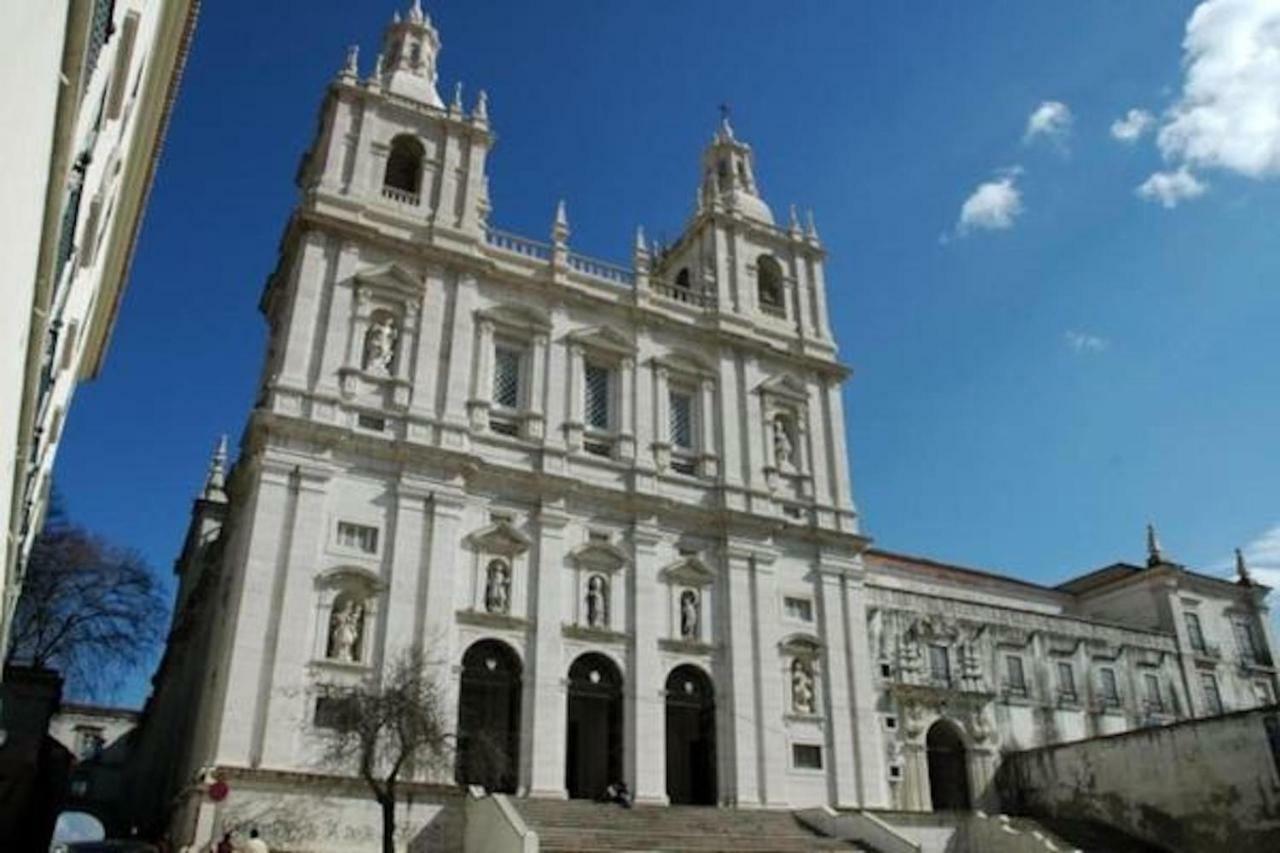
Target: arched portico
948, 767
691, 737
593, 737
489, 717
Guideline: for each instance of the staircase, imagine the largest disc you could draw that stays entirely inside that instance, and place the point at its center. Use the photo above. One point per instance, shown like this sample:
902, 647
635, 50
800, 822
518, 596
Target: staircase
579, 826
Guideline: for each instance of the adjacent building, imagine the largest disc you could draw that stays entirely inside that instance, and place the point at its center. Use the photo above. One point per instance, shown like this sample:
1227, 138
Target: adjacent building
92, 83
613, 503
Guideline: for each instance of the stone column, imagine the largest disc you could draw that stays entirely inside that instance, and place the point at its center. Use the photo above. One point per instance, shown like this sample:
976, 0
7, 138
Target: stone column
707, 424
545, 672
873, 780
626, 409
314, 268
747, 716
577, 385
427, 353
536, 420
662, 418
482, 380
646, 720
840, 730
820, 300
462, 345
404, 596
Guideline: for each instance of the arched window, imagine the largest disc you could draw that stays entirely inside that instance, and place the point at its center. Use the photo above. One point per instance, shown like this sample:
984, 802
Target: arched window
404, 168
769, 290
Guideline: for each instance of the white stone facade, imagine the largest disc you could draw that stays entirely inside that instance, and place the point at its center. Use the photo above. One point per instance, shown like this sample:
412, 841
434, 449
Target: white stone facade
464, 436
83, 131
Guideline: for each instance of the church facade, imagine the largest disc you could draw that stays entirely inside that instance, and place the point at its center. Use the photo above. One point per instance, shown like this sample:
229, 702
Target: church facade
613, 505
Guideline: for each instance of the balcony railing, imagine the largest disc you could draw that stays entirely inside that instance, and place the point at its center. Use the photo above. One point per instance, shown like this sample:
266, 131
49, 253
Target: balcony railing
685, 295
400, 196
601, 269
517, 245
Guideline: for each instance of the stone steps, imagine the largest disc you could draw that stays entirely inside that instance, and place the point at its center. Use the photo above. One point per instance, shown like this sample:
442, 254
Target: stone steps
579, 826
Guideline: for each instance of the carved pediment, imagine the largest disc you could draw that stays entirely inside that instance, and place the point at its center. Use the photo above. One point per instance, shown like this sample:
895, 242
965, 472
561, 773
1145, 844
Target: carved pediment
688, 571
603, 338
499, 537
801, 644
786, 386
599, 556
391, 277
347, 576
686, 363
524, 317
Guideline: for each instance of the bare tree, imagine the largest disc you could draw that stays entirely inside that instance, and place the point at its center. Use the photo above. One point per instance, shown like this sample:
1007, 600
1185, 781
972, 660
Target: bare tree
90, 609
386, 729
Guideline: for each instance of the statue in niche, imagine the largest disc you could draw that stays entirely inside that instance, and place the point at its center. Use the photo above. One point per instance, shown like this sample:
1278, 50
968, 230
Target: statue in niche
497, 588
802, 686
380, 343
783, 448
346, 625
689, 615
597, 604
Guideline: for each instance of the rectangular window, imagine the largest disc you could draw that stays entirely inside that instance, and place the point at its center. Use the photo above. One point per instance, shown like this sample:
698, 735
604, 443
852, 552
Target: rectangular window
506, 376
1066, 681
806, 756
1015, 678
334, 712
1195, 636
597, 402
1110, 690
1212, 698
1155, 701
681, 413
371, 422
1246, 640
939, 664
799, 609
1264, 692
358, 537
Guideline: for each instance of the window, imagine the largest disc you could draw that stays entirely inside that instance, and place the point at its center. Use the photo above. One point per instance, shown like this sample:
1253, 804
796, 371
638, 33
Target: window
358, 537
371, 422
1195, 636
89, 742
1155, 701
1212, 698
806, 756
939, 664
334, 712
681, 414
769, 286
682, 278
404, 170
799, 609
506, 376
1014, 677
1262, 689
597, 403
1066, 681
1246, 640
101, 26
1110, 690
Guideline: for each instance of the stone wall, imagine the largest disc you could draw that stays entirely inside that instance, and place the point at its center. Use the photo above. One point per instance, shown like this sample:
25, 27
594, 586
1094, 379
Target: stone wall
1200, 785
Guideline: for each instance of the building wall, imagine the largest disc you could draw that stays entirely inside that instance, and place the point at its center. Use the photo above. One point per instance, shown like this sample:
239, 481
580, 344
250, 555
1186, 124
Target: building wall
96, 136
71, 725
1199, 785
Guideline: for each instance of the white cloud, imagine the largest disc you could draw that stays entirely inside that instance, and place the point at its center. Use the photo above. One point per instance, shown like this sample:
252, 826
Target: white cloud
994, 205
1135, 123
1228, 114
1052, 119
1086, 342
1171, 188
1261, 555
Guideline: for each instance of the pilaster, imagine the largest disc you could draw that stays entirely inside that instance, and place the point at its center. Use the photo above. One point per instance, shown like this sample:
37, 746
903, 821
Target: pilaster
646, 720
544, 693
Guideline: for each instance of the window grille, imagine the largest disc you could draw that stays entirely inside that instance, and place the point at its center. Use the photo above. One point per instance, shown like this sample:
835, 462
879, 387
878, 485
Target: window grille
100, 29
1212, 698
1154, 700
1066, 681
1110, 690
681, 412
940, 664
359, 537
506, 377
806, 756
597, 401
1016, 678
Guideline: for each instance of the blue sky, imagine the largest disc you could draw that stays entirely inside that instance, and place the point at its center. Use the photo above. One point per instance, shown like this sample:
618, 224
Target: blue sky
1032, 383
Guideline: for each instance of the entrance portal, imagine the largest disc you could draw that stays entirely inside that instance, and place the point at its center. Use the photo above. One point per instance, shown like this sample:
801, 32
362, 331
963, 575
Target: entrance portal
948, 769
691, 737
593, 743
489, 717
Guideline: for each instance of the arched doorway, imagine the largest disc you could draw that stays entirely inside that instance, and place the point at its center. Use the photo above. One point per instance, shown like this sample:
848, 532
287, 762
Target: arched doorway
691, 737
948, 769
593, 743
489, 717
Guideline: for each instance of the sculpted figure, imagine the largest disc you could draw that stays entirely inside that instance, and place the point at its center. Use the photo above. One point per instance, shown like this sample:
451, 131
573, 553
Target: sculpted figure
801, 687
497, 589
344, 631
689, 615
783, 450
597, 612
380, 344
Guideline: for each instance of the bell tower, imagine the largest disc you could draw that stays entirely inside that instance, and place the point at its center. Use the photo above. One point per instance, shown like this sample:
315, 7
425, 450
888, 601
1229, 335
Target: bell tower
410, 48
728, 175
